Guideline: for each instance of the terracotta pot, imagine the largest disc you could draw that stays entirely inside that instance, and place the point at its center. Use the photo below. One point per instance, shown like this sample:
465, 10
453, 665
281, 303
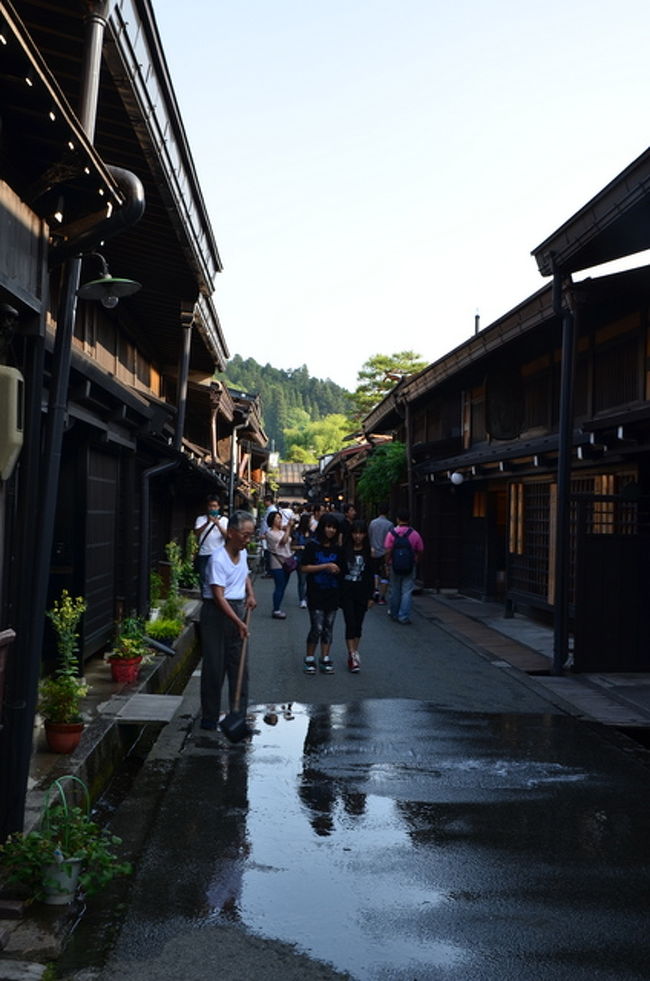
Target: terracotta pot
125, 670
63, 737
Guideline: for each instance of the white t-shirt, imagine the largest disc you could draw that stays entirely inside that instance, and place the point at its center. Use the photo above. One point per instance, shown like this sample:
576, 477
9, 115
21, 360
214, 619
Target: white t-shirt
222, 571
215, 539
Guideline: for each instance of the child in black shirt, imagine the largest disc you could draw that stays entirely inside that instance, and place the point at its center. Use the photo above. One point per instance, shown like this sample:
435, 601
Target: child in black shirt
323, 563
356, 589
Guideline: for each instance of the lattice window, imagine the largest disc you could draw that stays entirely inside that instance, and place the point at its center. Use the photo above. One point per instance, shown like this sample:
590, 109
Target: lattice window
530, 533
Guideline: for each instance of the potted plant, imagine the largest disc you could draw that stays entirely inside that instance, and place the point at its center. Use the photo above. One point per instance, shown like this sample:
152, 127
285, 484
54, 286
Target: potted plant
67, 849
182, 573
60, 694
129, 650
166, 630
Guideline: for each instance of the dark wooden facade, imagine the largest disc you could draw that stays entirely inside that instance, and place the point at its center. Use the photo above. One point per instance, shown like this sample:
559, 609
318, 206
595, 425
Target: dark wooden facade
133, 458
488, 415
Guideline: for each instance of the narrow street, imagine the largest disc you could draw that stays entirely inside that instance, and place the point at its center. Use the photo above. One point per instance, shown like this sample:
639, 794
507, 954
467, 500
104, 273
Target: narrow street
430, 818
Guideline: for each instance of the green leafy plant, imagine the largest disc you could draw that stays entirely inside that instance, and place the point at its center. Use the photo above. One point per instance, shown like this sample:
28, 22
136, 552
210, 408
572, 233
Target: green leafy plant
129, 640
385, 469
175, 559
60, 699
182, 573
66, 831
60, 695
172, 608
164, 630
155, 588
188, 577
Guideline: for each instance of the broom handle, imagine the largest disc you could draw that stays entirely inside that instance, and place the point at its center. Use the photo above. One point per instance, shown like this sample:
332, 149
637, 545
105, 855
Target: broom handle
242, 662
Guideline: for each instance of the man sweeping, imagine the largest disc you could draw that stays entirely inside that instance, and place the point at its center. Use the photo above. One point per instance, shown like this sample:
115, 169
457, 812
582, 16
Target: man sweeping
227, 597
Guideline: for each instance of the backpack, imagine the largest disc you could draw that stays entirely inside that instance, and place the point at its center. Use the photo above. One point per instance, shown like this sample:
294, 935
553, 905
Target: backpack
403, 558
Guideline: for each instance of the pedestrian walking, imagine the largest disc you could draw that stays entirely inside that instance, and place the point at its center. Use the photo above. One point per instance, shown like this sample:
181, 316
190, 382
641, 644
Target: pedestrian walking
301, 536
377, 531
227, 595
316, 515
269, 508
404, 548
349, 513
324, 565
281, 561
356, 589
210, 530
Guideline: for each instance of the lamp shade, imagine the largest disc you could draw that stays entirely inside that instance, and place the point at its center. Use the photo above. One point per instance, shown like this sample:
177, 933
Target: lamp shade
108, 289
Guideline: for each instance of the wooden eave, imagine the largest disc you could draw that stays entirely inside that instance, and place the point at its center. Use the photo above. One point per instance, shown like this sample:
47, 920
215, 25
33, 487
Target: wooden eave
171, 251
221, 400
492, 454
535, 310
50, 156
613, 224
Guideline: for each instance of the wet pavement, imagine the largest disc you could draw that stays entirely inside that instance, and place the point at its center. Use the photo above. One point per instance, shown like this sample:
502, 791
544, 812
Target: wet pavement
432, 817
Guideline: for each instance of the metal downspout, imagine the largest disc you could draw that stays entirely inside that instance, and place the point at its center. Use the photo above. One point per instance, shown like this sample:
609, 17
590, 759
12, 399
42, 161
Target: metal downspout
563, 307
158, 470
233, 463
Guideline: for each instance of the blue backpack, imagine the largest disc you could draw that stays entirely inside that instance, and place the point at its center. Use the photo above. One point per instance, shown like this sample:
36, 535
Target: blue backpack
403, 557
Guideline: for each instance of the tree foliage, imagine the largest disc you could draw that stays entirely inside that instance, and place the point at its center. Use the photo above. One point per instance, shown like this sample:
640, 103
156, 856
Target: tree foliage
374, 381
283, 393
308, 440
386, 466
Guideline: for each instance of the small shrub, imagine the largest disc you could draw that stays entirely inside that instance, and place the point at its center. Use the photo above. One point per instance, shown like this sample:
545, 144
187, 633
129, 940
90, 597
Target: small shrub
164, 630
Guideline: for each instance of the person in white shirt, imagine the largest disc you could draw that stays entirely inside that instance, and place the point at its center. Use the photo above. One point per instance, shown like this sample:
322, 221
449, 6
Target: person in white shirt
227, 597
269, 508
210, 530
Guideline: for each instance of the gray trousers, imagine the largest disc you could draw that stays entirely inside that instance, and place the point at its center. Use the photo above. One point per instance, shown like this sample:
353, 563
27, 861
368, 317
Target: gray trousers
221, 648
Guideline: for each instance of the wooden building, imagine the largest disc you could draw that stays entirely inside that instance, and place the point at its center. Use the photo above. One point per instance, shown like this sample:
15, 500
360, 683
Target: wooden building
111, 453
485, 437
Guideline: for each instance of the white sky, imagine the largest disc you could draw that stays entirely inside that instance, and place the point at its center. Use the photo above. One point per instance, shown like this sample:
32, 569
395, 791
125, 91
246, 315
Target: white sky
376, 172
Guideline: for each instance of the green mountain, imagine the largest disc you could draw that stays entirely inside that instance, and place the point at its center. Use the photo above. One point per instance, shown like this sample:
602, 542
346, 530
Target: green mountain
282, 391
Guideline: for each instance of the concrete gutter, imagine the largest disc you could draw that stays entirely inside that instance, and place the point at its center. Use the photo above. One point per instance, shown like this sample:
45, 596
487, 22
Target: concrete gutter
107, 739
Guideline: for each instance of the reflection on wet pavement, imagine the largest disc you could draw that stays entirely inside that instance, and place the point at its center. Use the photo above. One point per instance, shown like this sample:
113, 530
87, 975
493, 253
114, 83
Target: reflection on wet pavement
393, 839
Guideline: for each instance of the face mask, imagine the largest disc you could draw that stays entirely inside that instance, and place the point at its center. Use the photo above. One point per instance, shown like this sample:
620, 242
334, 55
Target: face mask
213, 514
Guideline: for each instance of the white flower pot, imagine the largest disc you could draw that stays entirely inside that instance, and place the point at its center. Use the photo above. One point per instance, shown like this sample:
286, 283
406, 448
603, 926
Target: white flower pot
60, 881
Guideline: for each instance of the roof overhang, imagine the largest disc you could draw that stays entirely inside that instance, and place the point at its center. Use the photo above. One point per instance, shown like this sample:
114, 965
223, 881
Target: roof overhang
59, 168
389, 413
615, 223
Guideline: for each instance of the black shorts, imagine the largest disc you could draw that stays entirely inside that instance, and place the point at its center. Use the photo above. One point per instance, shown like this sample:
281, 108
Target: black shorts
379, 568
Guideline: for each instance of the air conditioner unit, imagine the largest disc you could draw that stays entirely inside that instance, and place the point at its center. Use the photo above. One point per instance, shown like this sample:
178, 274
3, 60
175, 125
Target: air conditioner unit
11, 418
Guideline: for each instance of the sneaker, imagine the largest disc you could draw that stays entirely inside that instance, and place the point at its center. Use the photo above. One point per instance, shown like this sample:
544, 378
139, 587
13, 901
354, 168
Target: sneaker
375, 597
279, 615
404, 620
326, 665
381, 601
209, 725
309, 665
354, 662
303, 604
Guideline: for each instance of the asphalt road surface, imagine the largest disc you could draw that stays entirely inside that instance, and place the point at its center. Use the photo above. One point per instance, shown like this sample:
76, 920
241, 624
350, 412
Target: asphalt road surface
432, 817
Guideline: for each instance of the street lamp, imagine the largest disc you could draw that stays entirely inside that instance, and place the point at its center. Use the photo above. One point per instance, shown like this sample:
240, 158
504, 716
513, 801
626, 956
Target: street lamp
107, 289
